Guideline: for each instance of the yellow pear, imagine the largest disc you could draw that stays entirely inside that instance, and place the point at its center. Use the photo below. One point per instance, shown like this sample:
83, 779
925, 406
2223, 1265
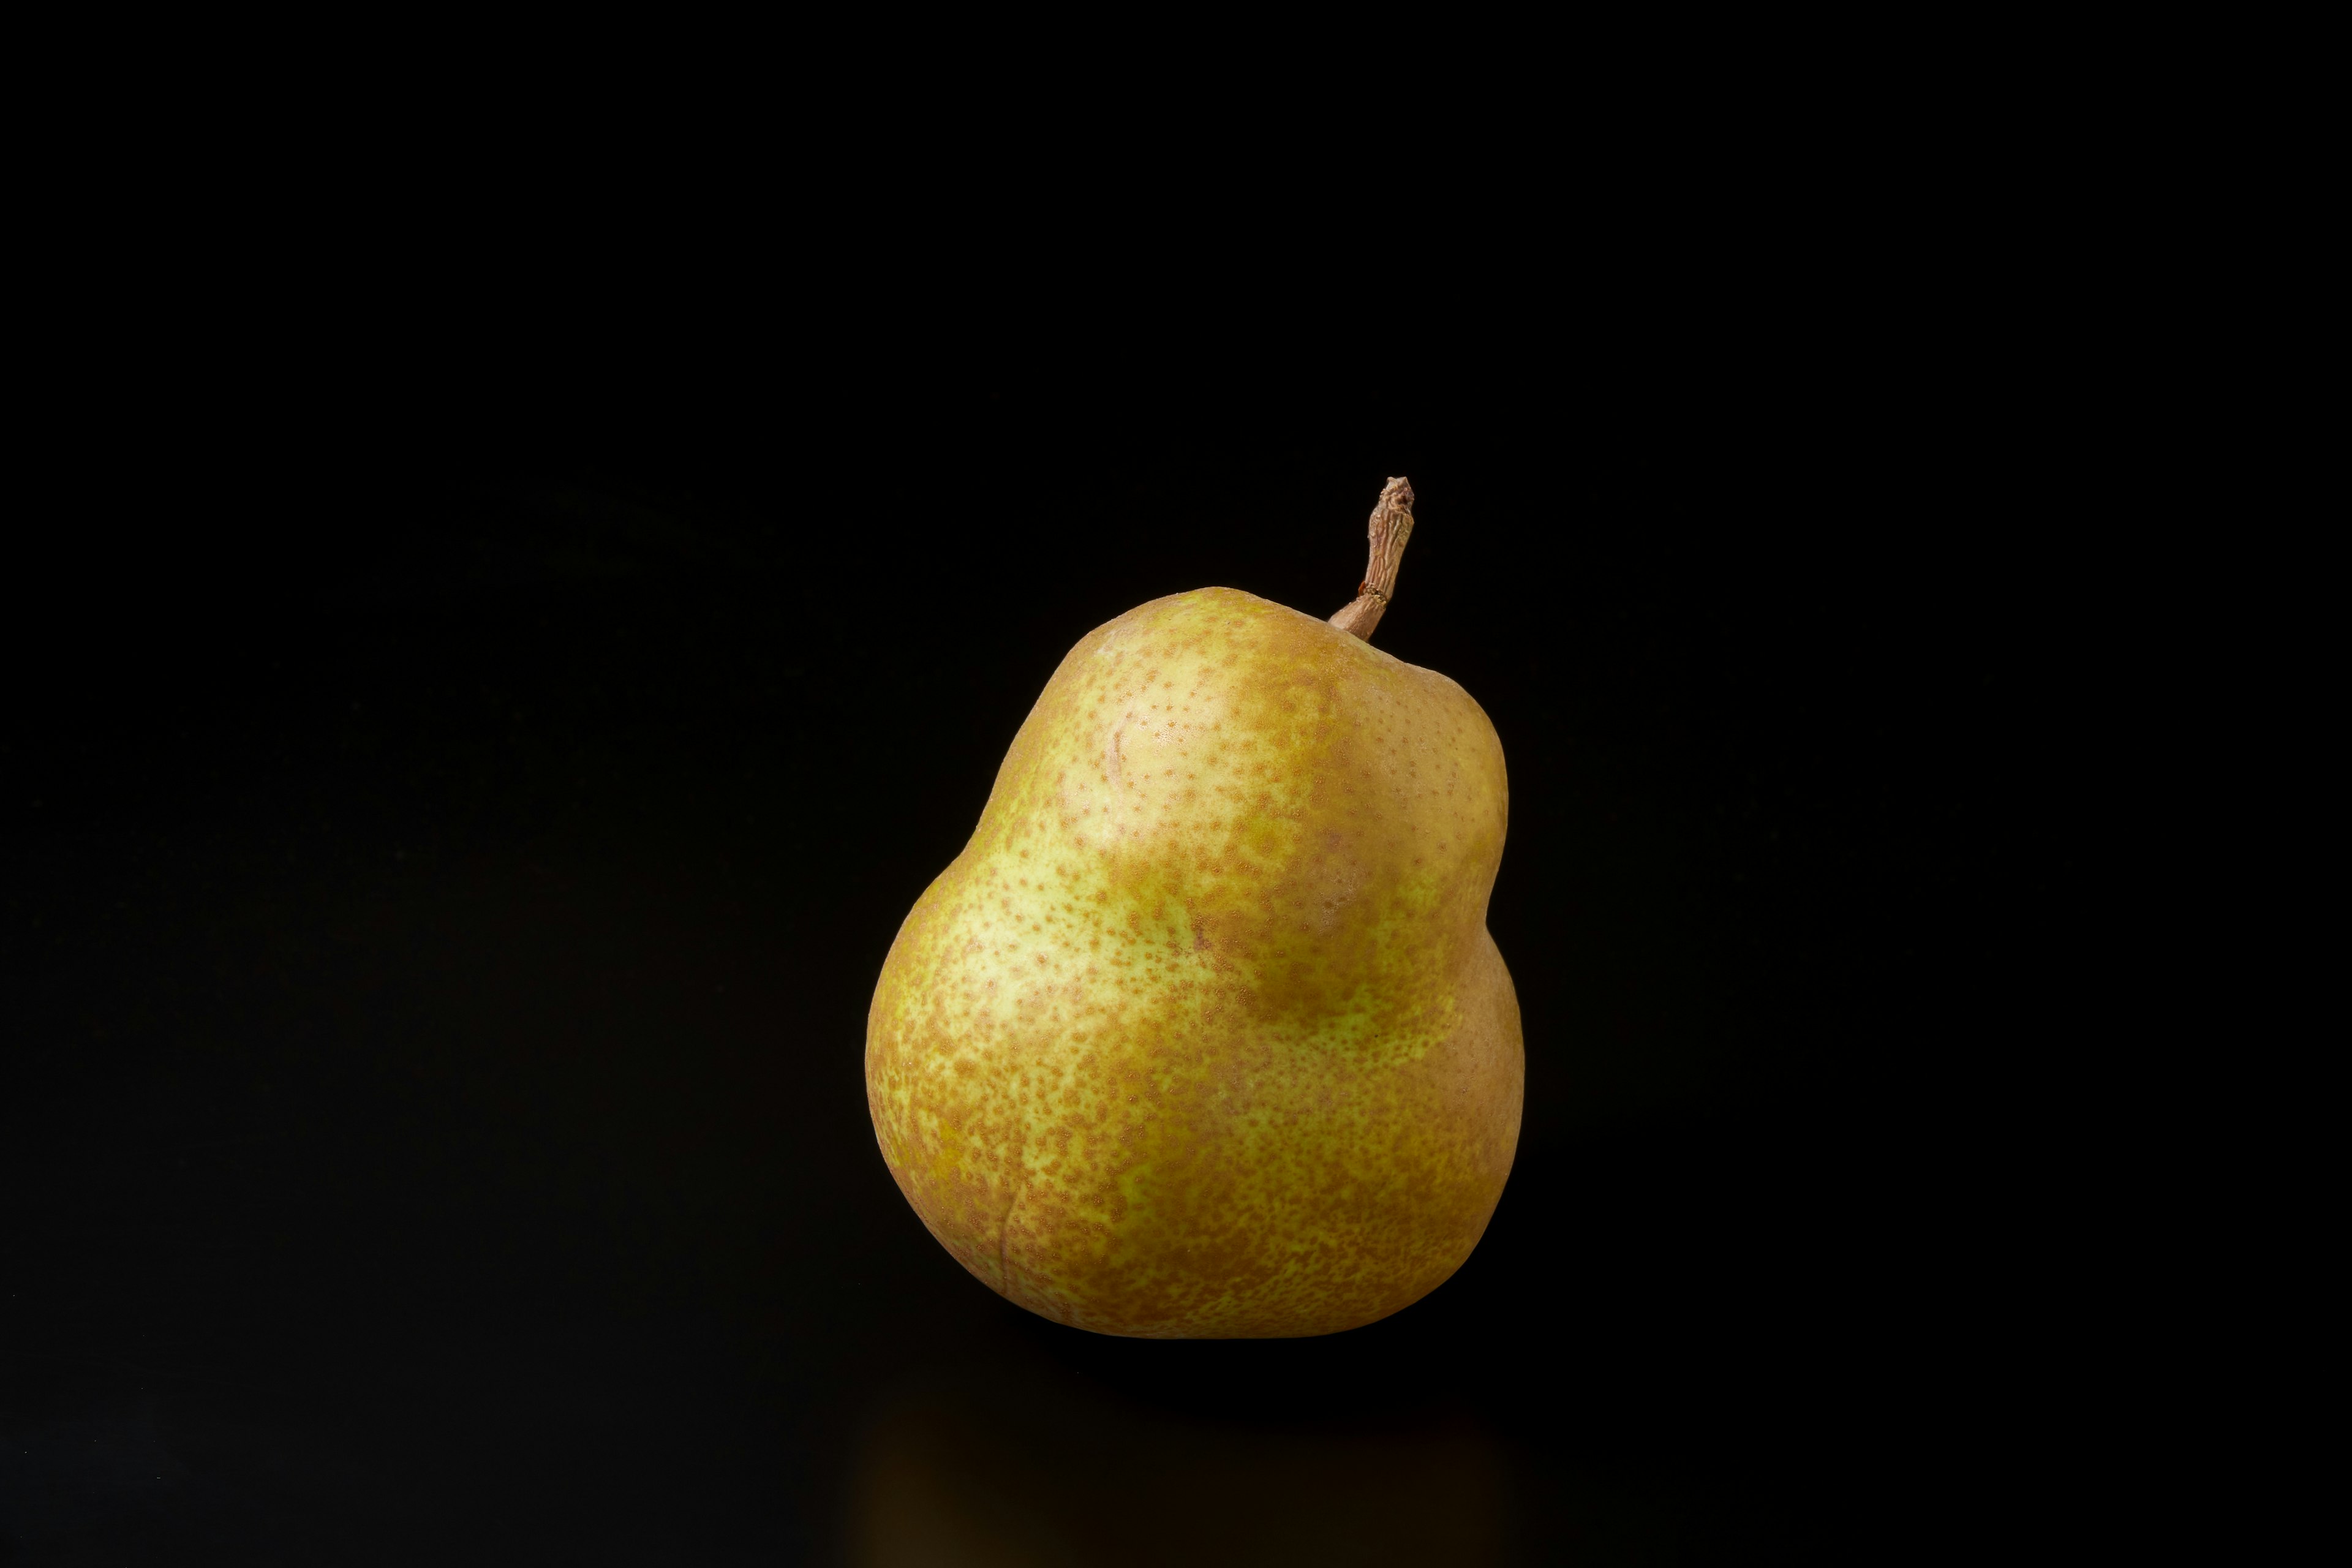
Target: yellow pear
1202, 1035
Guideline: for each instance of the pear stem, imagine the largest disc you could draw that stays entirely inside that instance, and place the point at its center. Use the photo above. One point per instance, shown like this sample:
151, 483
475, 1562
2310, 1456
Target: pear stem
1391, 525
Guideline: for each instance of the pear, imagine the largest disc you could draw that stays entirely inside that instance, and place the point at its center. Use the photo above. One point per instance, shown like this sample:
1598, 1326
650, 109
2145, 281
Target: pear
1203, 1036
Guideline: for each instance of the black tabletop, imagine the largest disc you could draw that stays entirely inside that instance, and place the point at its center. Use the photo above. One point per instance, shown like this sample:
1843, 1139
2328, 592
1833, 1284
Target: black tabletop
451, 836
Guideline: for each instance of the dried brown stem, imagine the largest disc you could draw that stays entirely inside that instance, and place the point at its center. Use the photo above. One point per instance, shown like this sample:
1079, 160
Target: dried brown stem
1391, 525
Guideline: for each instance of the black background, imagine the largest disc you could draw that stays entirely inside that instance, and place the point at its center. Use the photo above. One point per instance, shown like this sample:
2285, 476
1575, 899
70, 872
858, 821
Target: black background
465, 770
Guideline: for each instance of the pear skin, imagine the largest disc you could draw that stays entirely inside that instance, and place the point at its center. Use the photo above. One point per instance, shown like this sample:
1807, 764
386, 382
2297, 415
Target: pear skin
1202, 1035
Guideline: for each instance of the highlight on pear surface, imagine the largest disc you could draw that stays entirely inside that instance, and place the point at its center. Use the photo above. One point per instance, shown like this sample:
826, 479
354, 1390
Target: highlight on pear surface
1202, 1035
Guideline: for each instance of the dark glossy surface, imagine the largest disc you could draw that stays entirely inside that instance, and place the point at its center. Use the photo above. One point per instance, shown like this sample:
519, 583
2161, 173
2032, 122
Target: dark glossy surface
448, 860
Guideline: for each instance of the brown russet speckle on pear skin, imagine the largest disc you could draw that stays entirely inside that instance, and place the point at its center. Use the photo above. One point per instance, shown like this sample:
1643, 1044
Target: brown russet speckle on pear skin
1202, 1035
